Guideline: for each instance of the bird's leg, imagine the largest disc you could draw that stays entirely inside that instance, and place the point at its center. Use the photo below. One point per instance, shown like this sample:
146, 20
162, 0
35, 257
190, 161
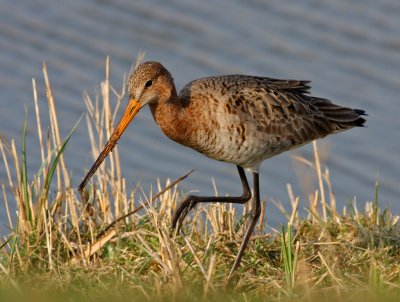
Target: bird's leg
254, 215
189, 202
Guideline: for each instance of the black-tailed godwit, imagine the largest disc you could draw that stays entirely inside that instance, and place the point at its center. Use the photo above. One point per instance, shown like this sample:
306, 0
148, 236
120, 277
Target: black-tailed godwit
237, 119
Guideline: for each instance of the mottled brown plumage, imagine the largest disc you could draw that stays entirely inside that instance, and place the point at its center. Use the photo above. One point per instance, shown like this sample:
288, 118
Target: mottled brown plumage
241, 119
237, 119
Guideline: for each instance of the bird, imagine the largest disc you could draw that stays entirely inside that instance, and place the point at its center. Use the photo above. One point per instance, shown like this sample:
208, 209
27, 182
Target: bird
238, 119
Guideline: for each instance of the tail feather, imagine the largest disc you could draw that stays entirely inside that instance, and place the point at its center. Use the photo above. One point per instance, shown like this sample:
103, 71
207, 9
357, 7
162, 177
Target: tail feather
360, 121
343, 117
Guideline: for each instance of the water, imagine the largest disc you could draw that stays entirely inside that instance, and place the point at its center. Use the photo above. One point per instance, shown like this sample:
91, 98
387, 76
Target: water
349, 49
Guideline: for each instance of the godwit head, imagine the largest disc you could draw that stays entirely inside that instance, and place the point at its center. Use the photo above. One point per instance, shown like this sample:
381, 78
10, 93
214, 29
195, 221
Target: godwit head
149, 83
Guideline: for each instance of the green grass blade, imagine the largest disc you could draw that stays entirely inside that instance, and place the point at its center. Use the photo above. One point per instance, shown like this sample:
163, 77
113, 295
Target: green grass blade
7, 241
376, 202
53, 165
44, 166
24, 172
288, 257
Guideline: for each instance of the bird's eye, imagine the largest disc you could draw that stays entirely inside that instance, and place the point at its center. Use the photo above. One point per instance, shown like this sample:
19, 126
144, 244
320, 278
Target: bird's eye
148, 83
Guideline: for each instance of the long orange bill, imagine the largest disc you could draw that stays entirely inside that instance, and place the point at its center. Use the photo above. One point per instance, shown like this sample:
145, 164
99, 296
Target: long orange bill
131, 109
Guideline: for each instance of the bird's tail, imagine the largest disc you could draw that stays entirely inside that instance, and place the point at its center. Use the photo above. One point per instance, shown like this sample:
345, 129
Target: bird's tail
360, 121
342, 117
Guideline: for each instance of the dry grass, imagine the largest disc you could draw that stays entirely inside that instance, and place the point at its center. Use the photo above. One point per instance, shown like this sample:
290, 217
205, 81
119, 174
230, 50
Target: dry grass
114, 242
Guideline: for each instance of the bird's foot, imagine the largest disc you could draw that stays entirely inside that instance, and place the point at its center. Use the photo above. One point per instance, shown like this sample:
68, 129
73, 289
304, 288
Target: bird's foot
181, 212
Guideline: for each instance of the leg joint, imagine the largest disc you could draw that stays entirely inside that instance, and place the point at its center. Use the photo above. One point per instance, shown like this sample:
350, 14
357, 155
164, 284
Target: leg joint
246, 195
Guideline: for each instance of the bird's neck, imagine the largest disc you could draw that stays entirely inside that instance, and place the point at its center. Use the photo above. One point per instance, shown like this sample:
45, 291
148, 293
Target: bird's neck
171, 115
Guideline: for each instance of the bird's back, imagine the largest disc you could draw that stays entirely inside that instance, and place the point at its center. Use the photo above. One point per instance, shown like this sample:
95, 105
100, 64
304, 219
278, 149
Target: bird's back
246, 119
